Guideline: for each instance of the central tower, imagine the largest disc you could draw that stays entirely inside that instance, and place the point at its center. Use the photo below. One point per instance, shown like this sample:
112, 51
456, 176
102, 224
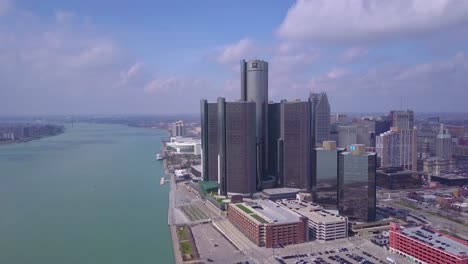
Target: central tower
254, 88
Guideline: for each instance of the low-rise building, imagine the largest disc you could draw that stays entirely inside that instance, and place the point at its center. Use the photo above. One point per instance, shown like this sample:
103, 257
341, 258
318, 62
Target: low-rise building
450, 179
437, 166
184, 145
267, 224
397, 179
323, 225
280, 193
424, 245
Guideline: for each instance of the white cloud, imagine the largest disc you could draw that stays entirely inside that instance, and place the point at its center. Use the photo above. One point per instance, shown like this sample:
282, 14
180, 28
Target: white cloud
365, 20
353, 54
127, 75
233, 53
175, 84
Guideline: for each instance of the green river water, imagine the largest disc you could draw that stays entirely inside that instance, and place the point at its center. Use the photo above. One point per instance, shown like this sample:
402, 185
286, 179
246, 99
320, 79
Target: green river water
90, 195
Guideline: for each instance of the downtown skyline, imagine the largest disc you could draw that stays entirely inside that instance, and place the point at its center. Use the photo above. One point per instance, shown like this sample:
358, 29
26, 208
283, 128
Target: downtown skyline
154, 58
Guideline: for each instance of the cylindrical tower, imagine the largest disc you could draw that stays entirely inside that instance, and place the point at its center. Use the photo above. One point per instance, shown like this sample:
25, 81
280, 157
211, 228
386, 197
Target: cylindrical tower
255, 88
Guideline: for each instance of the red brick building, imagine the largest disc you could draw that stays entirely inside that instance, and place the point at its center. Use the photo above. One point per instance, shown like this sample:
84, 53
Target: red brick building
267, 225
424, 245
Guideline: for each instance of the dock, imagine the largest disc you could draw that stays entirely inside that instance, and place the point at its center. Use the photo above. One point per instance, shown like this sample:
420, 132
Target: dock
162, 181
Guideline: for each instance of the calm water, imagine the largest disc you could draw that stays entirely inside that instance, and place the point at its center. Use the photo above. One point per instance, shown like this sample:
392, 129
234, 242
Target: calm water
90, 195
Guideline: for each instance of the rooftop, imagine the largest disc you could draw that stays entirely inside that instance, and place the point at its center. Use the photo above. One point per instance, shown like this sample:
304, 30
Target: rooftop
266, 211
436, 240
312, 211
280, 191
451, 177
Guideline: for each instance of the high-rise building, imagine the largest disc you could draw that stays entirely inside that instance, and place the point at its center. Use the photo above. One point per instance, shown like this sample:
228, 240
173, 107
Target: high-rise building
295, 145
402, 119
178, 129
274, 134
397, 148
325, 175
347, 135
314, 99
254, 87
322, 120
444, 144
209, 140
382, 125
356, 184
237, 155
427, 133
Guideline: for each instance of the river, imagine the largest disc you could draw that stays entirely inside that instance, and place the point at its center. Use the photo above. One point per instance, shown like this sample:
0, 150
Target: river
89, 195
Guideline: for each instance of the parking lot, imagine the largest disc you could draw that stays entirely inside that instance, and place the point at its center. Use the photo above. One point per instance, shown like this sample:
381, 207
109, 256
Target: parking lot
361, 251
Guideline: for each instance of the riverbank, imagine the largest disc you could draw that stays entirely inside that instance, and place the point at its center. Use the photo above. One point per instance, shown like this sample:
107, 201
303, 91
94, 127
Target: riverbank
24, 140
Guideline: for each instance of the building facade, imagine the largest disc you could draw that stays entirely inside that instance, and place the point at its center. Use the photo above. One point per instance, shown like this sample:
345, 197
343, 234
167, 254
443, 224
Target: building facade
402, 119
444, 145
178, 129
254, 88
209, 140
296, 146
322, 120
397, 148
347, 136
325, 175
424, 245
356, 184
268, 225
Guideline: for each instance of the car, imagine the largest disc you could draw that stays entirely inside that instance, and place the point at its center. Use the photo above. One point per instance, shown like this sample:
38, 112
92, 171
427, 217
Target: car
215, 245
209, 260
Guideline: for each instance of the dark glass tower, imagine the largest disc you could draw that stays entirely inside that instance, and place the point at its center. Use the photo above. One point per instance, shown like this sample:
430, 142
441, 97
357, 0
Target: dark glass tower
209, 140
296, 145
322, 120
325, 185
356, 184
254, 87
236, 134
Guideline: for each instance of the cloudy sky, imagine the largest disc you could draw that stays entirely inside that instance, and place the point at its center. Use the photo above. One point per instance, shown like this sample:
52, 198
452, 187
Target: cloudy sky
81, 57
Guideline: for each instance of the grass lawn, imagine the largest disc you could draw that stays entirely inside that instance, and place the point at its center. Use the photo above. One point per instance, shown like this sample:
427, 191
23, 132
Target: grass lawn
186, 248
183, 233
261, 220
245, 209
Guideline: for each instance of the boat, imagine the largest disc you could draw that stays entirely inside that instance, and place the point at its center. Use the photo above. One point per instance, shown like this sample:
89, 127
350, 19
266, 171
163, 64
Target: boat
159, 157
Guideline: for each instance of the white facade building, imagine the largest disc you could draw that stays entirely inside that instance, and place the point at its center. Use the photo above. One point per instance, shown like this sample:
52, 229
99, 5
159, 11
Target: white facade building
183, 145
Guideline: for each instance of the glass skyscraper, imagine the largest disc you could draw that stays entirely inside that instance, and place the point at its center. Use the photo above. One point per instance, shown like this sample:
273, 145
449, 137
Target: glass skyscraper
356, 184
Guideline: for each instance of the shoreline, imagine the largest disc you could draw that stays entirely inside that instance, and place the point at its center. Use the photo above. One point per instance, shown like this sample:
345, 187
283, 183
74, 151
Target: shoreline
25, 140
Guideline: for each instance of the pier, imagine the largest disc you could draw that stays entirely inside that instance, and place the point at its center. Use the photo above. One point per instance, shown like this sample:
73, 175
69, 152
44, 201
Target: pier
162, 181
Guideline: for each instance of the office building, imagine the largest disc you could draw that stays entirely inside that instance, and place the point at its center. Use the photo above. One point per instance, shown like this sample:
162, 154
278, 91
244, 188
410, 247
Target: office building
427, 133
382, 125
178, 129
438, 166
450, 179
398, 179
274, 134
295, 145
456, 131
236, 154
184, 145
209, 140
268, 225
254, 88
322, 120
423, 245
444, 144
402, 119
325, 175
347, 136
397, 148
356, 184
314, 99
323, 225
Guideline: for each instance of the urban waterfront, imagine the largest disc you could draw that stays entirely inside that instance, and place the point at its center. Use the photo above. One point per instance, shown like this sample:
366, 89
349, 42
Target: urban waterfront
90, 195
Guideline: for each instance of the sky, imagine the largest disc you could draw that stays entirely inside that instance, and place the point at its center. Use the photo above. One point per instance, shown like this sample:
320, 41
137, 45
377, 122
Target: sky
162, 57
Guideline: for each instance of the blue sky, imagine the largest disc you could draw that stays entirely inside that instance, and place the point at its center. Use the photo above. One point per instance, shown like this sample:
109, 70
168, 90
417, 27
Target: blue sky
85, 57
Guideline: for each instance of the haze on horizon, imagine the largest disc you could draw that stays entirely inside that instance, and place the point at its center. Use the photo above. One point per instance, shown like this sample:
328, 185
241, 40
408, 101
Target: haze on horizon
155, 57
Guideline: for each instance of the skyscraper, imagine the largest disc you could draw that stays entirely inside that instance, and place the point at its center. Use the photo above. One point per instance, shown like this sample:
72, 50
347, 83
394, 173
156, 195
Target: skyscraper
347, 135
295, 145
444, 144
397, 148
356, 184
402, 119
274, 134
254, 87
325, 175
178, 129
322, 120
209, 140
237, 166
313, 100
